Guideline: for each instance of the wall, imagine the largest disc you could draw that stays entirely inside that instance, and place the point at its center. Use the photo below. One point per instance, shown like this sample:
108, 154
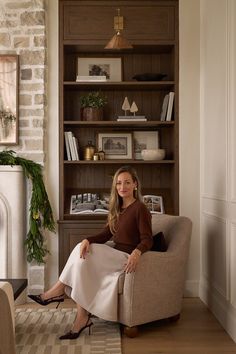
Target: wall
189, 130
218, 160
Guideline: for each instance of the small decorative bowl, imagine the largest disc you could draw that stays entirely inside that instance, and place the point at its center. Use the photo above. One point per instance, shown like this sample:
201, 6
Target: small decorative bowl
153, 154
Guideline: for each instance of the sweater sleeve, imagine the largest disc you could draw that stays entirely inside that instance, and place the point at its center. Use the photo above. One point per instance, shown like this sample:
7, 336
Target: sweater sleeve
145, 229
102, 237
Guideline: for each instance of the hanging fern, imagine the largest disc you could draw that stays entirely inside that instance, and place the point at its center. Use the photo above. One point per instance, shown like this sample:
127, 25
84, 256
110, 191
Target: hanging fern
40, 216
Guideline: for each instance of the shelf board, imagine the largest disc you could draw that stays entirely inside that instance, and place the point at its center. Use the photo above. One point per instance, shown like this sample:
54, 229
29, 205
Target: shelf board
118, 161
107, 123
121, 84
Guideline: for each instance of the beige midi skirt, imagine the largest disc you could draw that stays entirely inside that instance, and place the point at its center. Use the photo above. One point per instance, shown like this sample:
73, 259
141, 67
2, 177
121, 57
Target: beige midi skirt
93, 282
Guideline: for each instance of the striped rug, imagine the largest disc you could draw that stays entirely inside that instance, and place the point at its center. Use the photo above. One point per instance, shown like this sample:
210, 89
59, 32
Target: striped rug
37, 332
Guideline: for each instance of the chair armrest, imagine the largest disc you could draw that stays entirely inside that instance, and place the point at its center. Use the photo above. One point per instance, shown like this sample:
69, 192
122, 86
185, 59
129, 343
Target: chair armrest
7, 323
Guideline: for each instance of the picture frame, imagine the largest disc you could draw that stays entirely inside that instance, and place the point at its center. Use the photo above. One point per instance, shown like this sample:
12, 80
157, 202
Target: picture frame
115, 145
154, 203
110, 68
144, 140
9, 115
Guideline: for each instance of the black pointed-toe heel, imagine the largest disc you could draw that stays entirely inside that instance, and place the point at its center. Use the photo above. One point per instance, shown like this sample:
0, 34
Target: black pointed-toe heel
39, 300
75, 335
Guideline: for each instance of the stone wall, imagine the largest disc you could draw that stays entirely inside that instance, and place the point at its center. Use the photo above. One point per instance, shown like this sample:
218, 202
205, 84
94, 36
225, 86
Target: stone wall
23, 32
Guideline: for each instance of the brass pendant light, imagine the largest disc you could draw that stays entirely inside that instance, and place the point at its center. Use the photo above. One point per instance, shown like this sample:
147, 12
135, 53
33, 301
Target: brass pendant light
118, 41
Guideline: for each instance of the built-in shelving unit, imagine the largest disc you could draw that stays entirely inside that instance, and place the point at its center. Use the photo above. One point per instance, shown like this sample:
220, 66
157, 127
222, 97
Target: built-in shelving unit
155, 50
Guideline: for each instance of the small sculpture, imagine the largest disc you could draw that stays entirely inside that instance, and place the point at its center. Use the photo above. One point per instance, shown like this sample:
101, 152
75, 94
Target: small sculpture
126, 106
134, 108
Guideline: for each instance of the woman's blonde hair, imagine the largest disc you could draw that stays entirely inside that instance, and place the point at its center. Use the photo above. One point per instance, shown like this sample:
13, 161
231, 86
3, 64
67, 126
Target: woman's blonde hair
115, 202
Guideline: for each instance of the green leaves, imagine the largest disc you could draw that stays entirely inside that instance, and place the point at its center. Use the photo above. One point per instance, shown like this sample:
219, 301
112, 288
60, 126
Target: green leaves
40, 212
93, 100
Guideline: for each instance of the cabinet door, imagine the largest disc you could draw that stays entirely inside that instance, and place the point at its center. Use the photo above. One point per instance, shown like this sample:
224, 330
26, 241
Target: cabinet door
72, 234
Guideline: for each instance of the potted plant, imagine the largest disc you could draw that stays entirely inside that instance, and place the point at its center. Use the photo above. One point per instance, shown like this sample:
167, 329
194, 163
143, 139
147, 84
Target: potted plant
40, 212
92, 106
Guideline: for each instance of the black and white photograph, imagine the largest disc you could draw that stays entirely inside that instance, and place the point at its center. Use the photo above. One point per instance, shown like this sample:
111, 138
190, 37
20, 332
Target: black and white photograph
110, 68
115, 145
154, 203
87, 203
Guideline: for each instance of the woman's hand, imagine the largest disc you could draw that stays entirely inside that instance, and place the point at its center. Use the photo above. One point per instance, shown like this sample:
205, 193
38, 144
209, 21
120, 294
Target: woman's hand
84, 248
133, 260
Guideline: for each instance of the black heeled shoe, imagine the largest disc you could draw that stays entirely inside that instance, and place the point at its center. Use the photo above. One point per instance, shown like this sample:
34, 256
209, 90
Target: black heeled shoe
39, 300
75, 335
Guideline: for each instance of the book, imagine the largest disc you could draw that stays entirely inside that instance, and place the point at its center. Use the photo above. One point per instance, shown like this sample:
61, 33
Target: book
67, 146
88, 203
154, 203
170, 106
131, 119
164, 107
71, 145
92, 78
76, 147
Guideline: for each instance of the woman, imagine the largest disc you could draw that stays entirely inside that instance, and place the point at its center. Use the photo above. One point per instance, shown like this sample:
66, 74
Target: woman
90, 276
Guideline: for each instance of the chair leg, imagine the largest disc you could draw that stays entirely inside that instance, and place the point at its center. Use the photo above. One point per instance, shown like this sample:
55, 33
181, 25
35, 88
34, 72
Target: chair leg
174, 318
131, 332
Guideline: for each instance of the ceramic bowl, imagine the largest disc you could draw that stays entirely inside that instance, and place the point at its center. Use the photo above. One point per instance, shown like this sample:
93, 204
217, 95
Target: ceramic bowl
153, 154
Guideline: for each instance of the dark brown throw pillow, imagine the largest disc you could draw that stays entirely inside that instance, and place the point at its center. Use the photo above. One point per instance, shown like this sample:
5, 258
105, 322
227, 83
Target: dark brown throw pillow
159, 243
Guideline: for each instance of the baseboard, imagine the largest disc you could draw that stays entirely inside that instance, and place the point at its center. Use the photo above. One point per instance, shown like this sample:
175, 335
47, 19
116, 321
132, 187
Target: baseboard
219, 306
191, 288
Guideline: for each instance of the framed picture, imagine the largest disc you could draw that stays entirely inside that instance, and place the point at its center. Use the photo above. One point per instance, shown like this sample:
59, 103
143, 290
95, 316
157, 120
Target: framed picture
110, 68
154, 203
9, 69
115, 145
144, 140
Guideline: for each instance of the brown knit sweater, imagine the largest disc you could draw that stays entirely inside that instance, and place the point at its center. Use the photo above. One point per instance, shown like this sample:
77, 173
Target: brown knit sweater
134, 230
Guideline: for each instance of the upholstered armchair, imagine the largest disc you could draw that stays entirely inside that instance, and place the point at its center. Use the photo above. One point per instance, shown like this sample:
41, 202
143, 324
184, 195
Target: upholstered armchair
155, 290
7, 322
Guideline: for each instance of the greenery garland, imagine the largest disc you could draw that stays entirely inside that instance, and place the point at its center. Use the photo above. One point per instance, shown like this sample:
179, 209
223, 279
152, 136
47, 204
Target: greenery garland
41, 216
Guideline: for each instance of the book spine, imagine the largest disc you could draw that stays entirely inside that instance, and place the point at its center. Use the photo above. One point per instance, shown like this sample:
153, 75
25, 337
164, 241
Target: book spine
76, 147
71, 144
67, 146
170, 106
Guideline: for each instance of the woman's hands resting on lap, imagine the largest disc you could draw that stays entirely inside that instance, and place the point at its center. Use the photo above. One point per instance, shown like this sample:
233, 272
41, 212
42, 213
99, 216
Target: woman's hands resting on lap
84, 248
133, 260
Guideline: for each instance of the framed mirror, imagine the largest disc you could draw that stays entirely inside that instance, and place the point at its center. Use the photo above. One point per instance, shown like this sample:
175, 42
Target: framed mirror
9, 117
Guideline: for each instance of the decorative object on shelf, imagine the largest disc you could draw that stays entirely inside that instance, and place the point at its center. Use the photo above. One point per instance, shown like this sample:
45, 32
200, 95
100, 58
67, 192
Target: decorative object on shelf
40, 213
72, 146
101, 154
89, 151
144, 140
93, 78
149, 77
115, 145
153, 154
167, 107
118, 41
111, 68
154, 203
126, 107
9, 72
134, 108
92, 106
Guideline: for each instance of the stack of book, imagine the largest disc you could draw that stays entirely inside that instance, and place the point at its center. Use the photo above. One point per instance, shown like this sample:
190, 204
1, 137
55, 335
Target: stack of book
167, 107
131, 119
72, 146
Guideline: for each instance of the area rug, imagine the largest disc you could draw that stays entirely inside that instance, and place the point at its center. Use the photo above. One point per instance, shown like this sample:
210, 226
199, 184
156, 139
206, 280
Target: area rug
38, 330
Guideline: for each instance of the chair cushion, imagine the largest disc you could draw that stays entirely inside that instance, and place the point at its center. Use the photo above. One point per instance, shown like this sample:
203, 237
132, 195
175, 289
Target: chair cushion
159, 243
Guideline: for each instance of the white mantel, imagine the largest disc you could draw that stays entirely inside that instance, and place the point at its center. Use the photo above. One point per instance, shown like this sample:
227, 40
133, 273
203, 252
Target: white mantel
12, 222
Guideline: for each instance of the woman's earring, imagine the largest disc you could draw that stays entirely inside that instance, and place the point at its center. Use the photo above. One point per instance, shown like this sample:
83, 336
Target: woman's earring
135, 188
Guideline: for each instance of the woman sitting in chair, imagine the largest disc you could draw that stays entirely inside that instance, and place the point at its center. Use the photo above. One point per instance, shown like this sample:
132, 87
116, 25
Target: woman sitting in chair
90, 276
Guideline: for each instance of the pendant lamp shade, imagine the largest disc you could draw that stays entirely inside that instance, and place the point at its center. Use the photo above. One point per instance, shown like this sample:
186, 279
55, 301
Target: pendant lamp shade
118, 42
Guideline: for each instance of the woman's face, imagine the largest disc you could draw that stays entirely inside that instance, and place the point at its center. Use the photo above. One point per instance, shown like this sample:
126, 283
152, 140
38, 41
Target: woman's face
125, 185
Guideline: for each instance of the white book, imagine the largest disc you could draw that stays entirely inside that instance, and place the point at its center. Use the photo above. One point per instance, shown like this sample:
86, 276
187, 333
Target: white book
76, 147
170, 106
67, 146
71, 144
164, 107
131, 119
91, 78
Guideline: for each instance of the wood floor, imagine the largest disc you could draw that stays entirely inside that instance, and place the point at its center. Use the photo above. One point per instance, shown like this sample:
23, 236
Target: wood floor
196, 332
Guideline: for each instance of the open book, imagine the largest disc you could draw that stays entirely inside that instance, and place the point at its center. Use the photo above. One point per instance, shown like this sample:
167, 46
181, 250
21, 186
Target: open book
88, 203
154, 203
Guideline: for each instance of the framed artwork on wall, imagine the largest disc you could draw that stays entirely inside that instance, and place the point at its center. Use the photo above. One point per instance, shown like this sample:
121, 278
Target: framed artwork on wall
115, 145
9, 120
